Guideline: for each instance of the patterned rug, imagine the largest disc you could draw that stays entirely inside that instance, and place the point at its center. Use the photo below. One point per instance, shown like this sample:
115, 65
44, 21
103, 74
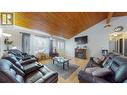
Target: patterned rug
64, 73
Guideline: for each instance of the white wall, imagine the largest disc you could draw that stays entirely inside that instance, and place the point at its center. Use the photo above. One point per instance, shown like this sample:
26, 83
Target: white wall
16, 37
98, 37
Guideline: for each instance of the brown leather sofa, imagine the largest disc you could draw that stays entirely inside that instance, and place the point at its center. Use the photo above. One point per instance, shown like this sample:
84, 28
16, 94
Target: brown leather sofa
118, 67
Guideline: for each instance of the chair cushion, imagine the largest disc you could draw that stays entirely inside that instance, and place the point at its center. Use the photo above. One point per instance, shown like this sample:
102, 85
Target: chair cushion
101, 72
9, 72
13, 60
100, 60
88, 78
41, 76
37, 76
90, 70
98, 71
31, 67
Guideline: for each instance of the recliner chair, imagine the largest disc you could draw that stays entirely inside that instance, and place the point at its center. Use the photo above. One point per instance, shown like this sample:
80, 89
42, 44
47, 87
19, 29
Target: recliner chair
109, 57
118, 66
20, 55
26, 66
9, 73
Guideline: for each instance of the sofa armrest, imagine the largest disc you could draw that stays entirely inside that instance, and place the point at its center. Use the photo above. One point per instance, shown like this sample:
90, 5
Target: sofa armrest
29, 61
88, 78
49, 75
125, 81
26, 58
93, 63
31, 68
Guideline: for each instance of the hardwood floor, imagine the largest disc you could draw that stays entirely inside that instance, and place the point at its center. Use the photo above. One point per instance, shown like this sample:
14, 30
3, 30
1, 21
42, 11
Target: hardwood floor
74, 76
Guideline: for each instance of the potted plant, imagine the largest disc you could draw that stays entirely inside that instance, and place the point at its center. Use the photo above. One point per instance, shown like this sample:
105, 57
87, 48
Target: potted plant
7, 42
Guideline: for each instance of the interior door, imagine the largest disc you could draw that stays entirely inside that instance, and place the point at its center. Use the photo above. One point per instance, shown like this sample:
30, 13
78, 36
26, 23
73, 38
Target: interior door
121, 46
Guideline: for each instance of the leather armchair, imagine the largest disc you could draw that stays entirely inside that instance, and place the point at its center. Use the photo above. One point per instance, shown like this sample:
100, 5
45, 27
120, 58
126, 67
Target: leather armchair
20, 55
26, 66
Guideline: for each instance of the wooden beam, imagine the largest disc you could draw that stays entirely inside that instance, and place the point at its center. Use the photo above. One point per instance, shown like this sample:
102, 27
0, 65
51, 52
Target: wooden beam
110, 14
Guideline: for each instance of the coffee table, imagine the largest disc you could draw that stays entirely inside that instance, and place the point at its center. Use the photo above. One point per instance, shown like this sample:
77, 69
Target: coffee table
61, 60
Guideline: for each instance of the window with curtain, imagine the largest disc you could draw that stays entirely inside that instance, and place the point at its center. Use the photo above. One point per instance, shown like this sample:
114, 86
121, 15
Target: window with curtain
39, 44
59, 45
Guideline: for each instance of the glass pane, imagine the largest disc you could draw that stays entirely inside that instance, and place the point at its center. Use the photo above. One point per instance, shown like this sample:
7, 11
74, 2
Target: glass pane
54, 43
9, 19
3, 18
40, 44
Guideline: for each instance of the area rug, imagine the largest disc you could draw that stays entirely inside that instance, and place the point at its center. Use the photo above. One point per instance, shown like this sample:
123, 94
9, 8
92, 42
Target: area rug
64, 73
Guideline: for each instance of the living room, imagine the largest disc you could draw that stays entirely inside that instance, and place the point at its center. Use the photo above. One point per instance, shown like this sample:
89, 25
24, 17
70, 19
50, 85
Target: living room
70, 38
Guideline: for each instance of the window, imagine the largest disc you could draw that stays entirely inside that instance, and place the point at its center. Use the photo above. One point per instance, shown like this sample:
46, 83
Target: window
39, 44
59, 45
6, 18
54, 44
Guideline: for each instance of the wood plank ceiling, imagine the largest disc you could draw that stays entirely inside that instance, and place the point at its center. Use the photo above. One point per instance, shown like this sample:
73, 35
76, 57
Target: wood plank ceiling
63, 24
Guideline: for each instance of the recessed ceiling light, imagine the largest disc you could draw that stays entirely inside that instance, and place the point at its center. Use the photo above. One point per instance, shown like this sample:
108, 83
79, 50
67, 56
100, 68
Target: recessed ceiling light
115, 35
118, 28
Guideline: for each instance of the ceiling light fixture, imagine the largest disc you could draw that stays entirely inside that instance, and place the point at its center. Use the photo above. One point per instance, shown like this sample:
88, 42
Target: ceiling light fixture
107, 25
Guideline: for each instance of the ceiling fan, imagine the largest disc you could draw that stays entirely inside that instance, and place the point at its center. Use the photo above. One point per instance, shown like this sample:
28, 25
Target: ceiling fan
110, 14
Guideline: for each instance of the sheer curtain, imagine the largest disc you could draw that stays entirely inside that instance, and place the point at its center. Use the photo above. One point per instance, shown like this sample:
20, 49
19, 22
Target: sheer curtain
39, 44
59, 45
